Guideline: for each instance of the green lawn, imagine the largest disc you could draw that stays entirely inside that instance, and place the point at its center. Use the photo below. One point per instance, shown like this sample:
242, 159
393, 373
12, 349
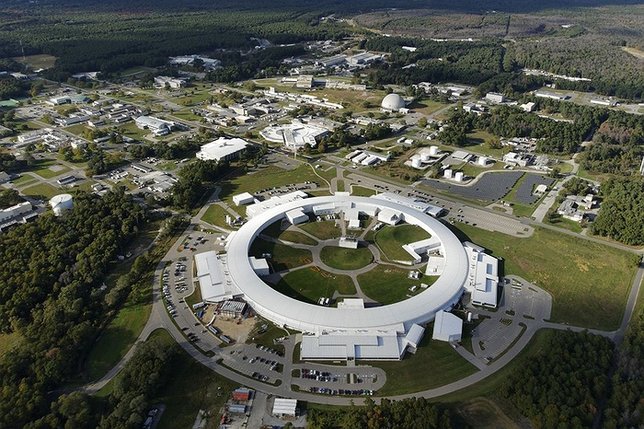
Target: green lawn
116, 340
131, 130
324, 230
123, 330
274, 231
361, 191
387, 284
24, 179
562, 222
282, 257
434, 364
427, 106
390, 240
7, 341
309, 284
216, 215
191, 388
346, 259
478, 142
77, 129
266, 338
268, 177
41, 190
48, 168
589, 282
521, 209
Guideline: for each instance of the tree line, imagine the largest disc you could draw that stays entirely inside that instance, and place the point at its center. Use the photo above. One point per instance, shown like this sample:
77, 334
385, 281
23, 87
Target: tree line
416, 413
622, 211
563, 385
51, 294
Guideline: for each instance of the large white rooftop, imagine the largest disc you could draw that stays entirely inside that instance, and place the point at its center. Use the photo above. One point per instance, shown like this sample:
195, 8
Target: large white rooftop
222, 148
398, 317
294, 135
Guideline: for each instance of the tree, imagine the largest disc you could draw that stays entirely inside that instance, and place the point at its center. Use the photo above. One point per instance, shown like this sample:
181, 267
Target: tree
422, 122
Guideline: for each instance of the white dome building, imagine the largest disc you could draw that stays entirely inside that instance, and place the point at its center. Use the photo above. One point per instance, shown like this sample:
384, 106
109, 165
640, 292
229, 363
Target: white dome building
393, 103
61, 203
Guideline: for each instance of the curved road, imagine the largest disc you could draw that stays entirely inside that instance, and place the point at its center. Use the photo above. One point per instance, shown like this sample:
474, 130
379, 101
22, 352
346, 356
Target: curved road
160, 319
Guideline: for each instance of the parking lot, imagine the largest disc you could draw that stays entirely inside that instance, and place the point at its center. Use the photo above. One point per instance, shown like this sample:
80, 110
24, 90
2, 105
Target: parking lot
256, 361
489, 187
522, 304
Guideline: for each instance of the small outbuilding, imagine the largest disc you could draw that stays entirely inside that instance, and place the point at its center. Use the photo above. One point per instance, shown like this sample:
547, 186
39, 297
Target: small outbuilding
243, 199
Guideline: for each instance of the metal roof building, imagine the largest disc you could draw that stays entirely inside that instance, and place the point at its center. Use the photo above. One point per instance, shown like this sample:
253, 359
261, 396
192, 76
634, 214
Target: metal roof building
284, 407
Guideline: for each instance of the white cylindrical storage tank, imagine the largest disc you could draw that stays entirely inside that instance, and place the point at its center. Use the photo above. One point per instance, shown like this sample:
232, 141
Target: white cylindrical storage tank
448, 173
483, 160
416, 162
433, 150
458, 176
61, 203
425, 157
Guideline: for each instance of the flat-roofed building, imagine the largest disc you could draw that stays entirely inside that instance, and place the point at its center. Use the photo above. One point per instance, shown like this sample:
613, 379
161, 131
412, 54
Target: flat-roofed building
447, 327
222, 149
483, 276
284, 407
212, 281
243, 199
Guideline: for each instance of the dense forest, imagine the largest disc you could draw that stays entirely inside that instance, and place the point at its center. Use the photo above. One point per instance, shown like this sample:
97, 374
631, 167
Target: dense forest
618, 146
625, 407
416, 413
622, 212
50, 293
563, 385
11, 87
110, 41
126, 405
464, 62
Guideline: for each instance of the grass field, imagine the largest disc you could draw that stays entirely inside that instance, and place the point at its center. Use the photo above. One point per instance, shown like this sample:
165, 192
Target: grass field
309, 284
427, 106
283, 257
346, 259
41, 190
7, 341
216, 215
24, 179
589, 282
48, 168
122, 331
324, 230
266, 338
387, 284
191, 388
77, 129
267, 177
478, 142
131, 130
117, 338
274, 231
39, 61
390, 240
361, 191
434, 364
